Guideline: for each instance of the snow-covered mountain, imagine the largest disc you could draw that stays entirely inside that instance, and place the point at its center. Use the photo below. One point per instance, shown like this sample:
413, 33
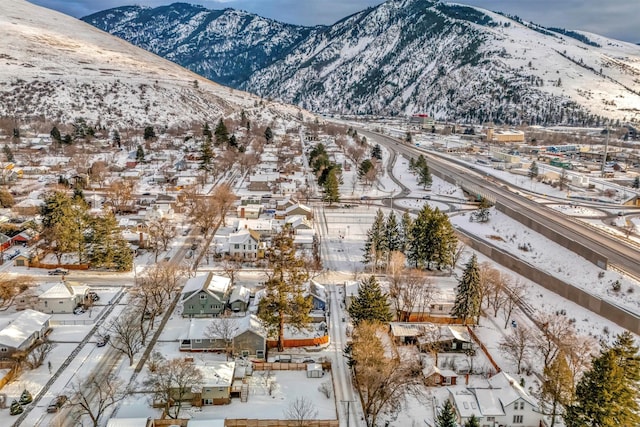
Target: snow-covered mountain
401, 57
60, 68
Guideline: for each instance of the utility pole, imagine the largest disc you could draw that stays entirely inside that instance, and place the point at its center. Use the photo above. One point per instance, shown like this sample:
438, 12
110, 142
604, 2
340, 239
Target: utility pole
348, 402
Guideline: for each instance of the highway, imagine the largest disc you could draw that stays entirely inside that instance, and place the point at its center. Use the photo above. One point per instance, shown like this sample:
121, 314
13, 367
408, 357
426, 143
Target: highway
620, 253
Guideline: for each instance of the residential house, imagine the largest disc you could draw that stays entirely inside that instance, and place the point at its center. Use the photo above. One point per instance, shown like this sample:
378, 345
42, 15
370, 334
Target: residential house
434, 376
217, 378
298, 222
249, 211
62, 298
24, 237
239, 299
250, 338
21, 332
502, 402
447, 338
264, 227
295, 209
205, 295
246, 245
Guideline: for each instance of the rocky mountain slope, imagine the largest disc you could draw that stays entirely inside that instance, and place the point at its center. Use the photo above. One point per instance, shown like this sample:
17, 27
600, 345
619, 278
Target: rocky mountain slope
58, 68
401, 57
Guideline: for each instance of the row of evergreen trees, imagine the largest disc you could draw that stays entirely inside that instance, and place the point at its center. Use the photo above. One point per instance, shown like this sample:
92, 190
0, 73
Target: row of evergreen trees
327, 172
428, 241
68, 227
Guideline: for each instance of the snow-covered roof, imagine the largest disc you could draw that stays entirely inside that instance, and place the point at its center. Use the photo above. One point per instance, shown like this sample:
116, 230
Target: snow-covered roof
64, 290
430, 370
217, 374
490, 402
240, 293
207, 281
242, 236
466, 403
254, 224
22, 327
512, 390
201, 328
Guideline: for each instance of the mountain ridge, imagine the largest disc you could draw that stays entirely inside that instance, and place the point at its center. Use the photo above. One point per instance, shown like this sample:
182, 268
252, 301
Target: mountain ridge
450, 61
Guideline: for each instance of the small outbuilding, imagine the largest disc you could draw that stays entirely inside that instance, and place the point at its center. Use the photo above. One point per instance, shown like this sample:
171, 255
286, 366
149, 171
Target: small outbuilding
314, 370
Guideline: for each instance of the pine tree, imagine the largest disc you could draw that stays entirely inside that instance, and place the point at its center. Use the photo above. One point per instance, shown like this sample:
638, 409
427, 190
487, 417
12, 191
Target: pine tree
115, 137
149, 133
268, 135
55, 135
374, 246
607, 395
472, 422
467, 302
533, 170
636, 182
447, 415
392, 232
433, 241
284, 297
376, 152
221, 133
109, 249
206, 155
405, 232
370, 304
8, 154
140, 154
206, 132
331, 187
424, 176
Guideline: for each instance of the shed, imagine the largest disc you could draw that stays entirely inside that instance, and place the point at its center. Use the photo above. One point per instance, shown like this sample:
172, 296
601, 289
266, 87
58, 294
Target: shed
314, 370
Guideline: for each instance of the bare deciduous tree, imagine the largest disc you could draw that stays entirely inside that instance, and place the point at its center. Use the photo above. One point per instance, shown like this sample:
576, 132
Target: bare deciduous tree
412, 293
125, 334
171, 382
95, 396
224, 328
39, 353
301, 411
516, 293
120, 196
516, 345
384, 382
11, 287
223, 199
555, 331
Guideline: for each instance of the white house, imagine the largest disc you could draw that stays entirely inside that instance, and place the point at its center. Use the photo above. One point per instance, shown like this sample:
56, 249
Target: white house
245, 244
62, 298
21, 332
502, 402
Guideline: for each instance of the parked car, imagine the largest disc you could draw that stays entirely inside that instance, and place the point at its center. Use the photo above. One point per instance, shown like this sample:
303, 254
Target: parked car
56, 403
194, 246
103, 340
426, 197
94, 296
189, 254
78, 310
59, 272
14, 254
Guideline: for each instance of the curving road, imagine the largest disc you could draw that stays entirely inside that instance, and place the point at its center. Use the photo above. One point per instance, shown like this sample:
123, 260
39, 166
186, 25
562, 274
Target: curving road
623, 254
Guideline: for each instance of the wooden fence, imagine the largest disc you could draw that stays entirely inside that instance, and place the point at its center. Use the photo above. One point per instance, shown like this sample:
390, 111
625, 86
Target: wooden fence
302, 342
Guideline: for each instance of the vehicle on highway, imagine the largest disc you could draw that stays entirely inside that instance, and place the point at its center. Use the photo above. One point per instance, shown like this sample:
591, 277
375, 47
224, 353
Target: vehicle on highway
364, 198
194, 246
58, 272
56, 403
427, 197
78, 310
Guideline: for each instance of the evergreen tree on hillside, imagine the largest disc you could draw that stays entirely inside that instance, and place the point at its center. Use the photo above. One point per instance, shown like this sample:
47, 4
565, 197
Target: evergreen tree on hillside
149, 133
140, 154
55, 135
467, 303
370, 304
268, 135
221, 133
607, 395
405, 231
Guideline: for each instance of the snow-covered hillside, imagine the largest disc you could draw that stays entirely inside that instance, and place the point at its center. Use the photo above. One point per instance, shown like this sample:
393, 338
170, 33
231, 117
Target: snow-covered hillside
402, 57
60, 68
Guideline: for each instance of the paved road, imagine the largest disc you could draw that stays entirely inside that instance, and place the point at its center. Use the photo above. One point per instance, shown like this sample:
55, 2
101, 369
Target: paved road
620, 252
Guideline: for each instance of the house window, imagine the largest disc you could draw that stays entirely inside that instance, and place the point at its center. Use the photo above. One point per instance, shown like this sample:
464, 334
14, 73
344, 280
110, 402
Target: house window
491, 419
245, 353
198, 341
60, 302
203, 296
3, 349
207, 401
517, 419
260, 354
237, 246
46, 303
